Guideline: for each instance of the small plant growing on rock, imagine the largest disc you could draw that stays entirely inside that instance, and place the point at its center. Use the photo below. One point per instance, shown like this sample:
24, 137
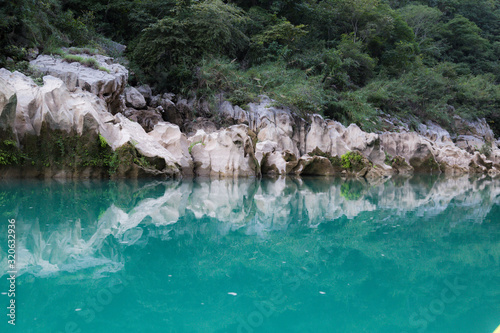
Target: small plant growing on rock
89, 62
103, 141
388, 159
352, 161
486, 149
194, 144
9, 153
335, 160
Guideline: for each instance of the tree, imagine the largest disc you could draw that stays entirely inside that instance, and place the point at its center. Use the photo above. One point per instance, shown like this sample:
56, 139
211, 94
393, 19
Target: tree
359, 14
426, 25
423, 20
464, 40
176, 43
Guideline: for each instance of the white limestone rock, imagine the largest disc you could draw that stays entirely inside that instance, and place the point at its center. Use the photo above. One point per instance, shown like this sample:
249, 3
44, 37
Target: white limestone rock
171, 137
224, 153
54, 106
134, 99
108, 86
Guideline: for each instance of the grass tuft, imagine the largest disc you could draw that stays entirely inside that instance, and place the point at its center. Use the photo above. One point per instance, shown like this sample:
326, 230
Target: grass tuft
86, 61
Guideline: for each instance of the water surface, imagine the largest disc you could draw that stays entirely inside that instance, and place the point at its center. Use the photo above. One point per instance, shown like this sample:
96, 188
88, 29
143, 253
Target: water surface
312, 255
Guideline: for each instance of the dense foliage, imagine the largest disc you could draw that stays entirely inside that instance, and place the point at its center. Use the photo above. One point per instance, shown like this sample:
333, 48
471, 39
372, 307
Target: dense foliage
347, 59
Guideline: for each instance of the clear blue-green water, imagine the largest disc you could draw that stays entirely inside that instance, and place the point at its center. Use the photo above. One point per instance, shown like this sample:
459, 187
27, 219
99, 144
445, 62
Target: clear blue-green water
311, 255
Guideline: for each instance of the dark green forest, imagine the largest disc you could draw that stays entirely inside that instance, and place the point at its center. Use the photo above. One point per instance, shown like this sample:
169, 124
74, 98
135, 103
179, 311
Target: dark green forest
349, 60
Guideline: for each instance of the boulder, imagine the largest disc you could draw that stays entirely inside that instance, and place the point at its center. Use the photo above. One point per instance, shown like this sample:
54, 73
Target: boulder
125, 131
479, 164
235, 113
478, 128
8, 104
225, 153
314, 166
435, 133
273, 162
108, 85
171, 137
325, 136
146, 118
469, 143
155, 101
169, 112
184, 108
399, 165
146, 92
413, 148
53, 105
200, 123
134, 99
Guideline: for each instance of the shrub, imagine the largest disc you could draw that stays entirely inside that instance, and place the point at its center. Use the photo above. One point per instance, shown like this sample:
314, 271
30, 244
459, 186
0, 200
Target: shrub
352, 161
176, 43
288, 87
10, 153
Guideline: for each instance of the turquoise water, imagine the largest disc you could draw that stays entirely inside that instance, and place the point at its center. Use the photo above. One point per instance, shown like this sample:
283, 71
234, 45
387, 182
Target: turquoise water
312, 255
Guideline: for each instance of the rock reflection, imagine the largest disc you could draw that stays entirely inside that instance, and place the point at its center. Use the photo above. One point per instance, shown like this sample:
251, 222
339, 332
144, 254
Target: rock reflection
87, 226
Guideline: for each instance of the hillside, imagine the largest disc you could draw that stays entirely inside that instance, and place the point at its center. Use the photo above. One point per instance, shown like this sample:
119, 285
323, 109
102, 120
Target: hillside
348, 60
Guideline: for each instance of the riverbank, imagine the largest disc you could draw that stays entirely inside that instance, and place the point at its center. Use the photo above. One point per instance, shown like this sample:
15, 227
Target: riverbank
86, 123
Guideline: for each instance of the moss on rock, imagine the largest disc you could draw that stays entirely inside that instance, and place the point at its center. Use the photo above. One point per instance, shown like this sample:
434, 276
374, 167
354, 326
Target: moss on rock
69, 155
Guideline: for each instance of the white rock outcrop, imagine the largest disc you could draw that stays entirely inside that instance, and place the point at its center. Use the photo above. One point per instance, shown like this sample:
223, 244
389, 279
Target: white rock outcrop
265, 140
57, 108
171, 137
430, 149
225, 153
108, 85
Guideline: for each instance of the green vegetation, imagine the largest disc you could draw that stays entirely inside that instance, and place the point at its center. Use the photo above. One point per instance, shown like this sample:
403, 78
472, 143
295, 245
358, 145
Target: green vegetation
335, 160
486, 149
345, 59
10, 153
58, 150
194, 144
352, 160
86, 61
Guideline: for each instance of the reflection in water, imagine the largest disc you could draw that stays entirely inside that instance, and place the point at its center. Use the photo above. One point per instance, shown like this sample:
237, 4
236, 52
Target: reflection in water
377, 251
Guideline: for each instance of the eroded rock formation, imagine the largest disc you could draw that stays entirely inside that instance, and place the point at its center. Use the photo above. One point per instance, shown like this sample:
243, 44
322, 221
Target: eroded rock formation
108, 85
166, 135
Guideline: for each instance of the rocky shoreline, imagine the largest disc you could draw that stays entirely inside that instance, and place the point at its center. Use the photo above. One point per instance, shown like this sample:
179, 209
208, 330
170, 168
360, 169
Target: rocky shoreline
85, 123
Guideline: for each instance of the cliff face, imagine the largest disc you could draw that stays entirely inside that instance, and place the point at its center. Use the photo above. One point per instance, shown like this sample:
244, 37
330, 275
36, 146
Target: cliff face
78, 125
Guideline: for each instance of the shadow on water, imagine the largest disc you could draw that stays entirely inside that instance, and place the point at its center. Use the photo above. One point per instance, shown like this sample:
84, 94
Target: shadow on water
418, 254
